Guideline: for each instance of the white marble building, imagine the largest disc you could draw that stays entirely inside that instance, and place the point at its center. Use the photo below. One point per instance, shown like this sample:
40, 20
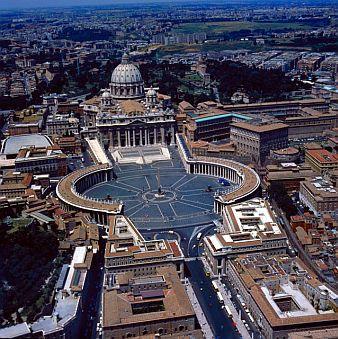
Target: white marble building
127, 114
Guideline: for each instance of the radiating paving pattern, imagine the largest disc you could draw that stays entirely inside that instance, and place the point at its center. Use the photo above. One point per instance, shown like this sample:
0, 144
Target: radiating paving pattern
186, 199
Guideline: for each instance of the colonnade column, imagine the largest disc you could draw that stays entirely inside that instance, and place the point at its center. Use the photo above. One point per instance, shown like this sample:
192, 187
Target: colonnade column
141, 137
134, 138
125, 138
155, 135
146, 137
162, 135
119, 138
172, 135
111, 139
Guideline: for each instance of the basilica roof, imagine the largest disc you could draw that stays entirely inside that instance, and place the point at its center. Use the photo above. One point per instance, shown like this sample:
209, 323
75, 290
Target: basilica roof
131, 107
126, 73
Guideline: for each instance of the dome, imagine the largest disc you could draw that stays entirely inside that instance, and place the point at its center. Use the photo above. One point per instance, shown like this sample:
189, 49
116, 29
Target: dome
126, 73
106, 94
151, 92
126, 81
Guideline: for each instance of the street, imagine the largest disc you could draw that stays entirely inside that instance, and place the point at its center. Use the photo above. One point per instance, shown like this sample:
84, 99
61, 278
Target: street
91, 309
220, 324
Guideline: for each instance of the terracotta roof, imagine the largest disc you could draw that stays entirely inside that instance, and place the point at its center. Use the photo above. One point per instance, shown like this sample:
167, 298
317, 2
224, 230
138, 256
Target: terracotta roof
323, 156
260, 128
186, 105
131, 106
117, 307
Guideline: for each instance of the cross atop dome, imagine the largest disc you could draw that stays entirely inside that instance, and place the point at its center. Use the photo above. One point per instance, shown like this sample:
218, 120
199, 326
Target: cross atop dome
125, 58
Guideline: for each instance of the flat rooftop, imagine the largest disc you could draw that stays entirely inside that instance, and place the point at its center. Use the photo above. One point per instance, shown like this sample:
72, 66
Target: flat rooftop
320, 188
125, 240
260, 128
246, 224
12, 144
15, 331
211, 117
254, 215
282, 286
122, 308
302, 307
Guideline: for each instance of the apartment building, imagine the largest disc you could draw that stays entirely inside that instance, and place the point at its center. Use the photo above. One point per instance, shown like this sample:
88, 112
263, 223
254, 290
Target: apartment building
41, 160
257, 140
248, 227
282, 294
127, 251
154, 305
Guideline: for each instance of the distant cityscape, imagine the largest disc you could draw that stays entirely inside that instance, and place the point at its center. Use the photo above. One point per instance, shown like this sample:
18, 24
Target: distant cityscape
169, 170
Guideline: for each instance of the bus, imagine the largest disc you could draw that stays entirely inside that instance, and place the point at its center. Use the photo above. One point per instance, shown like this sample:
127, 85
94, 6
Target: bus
220, 298
228, 311
199, 235
214, 285
251, 318
224, 182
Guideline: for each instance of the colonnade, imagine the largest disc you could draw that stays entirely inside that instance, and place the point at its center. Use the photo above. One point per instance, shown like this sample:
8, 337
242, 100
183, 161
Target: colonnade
131, 137
87, 181
90, 180
70, 192
246, 179
217, 170
127, 91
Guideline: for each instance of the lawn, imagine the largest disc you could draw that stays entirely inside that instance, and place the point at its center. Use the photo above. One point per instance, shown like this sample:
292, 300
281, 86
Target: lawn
216, 28
208, 46
18, 223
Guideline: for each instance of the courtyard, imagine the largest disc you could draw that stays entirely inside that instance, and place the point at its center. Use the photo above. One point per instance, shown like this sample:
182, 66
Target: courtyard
184, 199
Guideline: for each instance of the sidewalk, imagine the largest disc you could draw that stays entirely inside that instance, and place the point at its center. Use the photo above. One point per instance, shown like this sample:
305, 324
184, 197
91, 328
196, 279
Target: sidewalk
208, 268
235, 316
207, 332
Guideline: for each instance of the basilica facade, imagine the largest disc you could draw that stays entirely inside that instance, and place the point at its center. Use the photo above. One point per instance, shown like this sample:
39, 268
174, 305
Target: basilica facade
127, 114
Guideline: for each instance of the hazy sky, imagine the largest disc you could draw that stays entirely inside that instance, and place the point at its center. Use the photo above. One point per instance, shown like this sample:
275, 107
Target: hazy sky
56, 3
10, 4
